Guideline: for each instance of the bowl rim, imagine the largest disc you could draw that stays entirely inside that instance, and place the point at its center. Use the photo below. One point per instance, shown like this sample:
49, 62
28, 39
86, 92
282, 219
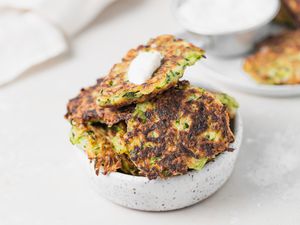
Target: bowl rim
238, 133
217, 34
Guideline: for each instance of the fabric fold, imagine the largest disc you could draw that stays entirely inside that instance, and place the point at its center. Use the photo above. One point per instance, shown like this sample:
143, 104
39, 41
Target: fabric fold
33, 31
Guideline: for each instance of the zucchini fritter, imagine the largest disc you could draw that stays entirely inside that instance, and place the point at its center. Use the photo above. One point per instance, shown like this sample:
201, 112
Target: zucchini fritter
180, 129
116, 90
276, 60
93, 140
83, 108
97, 142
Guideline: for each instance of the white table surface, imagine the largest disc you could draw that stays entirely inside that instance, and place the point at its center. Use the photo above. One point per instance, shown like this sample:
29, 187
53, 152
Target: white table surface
41, 182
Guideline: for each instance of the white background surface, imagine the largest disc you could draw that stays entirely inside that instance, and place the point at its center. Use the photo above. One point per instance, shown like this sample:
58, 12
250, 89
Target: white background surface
41, 182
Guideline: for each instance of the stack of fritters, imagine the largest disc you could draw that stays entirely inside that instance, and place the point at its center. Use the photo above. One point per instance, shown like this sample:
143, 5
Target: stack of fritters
161, 128
276, 60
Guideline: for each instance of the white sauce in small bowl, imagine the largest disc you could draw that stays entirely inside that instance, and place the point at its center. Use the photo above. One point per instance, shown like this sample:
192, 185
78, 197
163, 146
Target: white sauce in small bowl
212, 17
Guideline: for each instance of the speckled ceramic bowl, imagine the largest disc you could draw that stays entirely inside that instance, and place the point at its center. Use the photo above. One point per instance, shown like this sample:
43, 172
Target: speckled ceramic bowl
174, 193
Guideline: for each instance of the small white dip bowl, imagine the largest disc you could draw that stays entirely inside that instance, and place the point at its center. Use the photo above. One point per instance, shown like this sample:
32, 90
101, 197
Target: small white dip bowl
231, 43
173, 193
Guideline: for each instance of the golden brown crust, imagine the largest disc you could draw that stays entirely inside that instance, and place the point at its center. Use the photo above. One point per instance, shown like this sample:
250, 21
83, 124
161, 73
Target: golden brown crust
276, 60
93, 139
83, 108
172, 130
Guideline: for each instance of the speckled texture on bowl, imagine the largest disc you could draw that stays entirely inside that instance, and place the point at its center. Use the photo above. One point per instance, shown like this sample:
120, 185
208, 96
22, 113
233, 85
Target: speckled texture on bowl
170, 194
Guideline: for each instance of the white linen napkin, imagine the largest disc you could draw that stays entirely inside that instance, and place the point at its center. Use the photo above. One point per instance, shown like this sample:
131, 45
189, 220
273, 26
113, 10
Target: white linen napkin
33, 31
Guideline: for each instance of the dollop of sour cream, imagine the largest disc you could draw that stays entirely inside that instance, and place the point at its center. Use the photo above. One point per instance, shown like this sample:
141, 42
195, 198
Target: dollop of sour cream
210, 17
143, 65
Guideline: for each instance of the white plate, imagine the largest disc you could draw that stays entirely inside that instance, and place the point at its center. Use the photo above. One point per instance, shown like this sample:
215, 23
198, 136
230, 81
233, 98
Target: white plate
229, 71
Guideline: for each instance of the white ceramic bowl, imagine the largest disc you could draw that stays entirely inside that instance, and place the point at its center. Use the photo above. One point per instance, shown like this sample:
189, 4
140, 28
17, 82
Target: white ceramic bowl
173, 193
